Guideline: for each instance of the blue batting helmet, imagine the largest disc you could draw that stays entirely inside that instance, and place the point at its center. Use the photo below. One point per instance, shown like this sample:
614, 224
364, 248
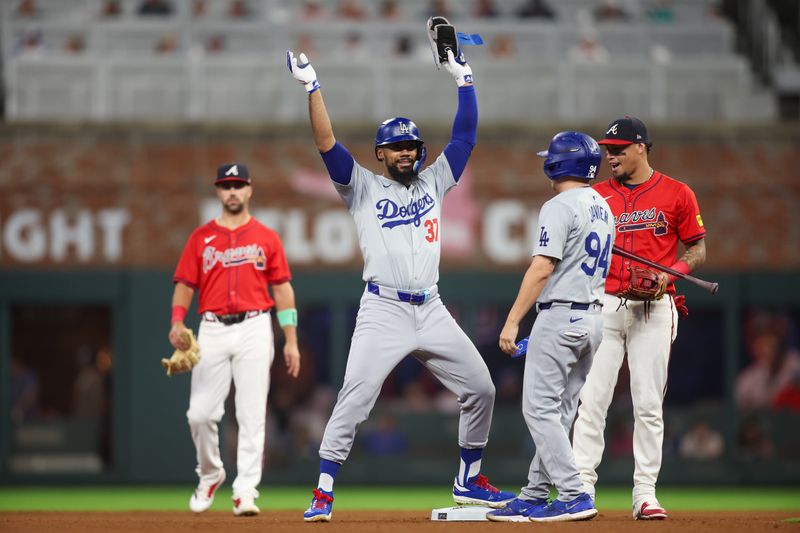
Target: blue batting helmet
572, 154
395, 130
399, 129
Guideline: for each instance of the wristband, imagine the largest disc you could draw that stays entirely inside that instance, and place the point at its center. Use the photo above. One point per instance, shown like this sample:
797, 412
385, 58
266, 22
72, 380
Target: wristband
287, 317
461, 81
178, 314
680, 266
311, 86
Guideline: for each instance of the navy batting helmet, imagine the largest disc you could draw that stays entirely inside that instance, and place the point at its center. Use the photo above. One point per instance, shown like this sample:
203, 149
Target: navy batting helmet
395, 130
572, 154
399, 129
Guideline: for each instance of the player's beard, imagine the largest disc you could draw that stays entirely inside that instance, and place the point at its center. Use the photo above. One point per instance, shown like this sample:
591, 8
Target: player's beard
233, 207
403, 176
623, 178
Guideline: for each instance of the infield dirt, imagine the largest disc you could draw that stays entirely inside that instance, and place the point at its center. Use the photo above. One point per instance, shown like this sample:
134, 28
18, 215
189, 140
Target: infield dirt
377, 521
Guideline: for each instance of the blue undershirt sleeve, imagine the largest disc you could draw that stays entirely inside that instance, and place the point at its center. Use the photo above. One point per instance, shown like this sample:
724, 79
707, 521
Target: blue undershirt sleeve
465, 129
339, 163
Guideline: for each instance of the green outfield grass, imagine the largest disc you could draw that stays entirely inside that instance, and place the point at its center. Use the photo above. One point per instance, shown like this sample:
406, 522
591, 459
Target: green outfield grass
159, 498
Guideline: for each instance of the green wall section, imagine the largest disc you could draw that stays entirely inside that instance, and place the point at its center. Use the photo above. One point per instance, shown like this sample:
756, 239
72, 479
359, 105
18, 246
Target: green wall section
151, 437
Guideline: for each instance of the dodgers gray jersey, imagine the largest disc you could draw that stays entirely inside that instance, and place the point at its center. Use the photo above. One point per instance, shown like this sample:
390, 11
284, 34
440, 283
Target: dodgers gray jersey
577, 228
399, 228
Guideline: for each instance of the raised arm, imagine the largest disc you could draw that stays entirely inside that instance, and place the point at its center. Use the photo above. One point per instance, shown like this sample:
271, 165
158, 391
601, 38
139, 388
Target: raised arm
320, 122
465, 124
303, 72
337, 159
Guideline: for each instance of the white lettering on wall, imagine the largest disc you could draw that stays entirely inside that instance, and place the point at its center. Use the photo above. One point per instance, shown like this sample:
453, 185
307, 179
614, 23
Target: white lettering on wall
335, 236
32, 235
509, 232
327, 237
508, 226
71, 231
24, 237
111, 222
295, 237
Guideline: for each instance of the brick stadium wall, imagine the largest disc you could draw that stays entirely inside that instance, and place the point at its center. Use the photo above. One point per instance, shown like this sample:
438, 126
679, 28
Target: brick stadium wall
137, 193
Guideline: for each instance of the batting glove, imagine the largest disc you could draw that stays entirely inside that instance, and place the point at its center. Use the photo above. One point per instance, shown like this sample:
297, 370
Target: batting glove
458, 68
302, 71
522, 348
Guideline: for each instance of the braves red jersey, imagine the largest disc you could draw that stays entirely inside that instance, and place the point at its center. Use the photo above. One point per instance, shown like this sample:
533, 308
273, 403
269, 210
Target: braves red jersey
650, 220
233, 268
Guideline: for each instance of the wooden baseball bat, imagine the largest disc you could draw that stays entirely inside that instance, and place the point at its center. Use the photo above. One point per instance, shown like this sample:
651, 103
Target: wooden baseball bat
710, 286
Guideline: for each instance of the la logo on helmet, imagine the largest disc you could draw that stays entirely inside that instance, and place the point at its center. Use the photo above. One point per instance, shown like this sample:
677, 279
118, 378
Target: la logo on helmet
404, 128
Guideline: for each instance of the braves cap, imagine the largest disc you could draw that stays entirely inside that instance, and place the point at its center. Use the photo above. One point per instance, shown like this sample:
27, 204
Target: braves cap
232, 172
626, 130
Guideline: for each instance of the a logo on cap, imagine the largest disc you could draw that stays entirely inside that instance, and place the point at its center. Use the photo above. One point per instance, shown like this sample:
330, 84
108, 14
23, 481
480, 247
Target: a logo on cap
404, 128
233, 171
612, 129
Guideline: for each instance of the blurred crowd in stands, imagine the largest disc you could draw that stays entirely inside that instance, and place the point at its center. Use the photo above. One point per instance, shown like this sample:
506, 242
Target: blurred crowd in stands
501, 46
64, 376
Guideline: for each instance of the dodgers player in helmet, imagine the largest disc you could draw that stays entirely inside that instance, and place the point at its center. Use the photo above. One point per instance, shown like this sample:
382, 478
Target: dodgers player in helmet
571, 154
398, 217
565, 280
400, 130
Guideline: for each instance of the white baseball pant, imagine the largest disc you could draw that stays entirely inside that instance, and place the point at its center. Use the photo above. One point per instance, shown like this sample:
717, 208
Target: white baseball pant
647, 343
244, 352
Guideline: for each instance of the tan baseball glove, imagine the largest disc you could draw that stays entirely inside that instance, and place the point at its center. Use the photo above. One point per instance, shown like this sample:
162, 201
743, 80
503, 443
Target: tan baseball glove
183, 360
644, 284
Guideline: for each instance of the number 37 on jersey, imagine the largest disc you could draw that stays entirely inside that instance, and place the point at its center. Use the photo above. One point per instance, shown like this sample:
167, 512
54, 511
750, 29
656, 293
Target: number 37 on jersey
432, 230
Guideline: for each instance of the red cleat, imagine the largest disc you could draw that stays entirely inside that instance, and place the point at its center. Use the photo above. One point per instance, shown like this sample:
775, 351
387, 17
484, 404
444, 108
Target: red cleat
650, 511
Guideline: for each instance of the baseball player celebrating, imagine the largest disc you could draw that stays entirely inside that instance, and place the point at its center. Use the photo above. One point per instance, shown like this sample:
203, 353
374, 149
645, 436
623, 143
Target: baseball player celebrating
398, 218
565, 280
652, 212
231, 262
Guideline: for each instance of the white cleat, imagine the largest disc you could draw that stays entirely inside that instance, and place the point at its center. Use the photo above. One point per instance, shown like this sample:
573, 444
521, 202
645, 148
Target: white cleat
245, 506
203, 495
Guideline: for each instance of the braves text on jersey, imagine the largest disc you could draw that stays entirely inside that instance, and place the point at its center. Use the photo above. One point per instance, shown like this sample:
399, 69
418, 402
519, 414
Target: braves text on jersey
650, 220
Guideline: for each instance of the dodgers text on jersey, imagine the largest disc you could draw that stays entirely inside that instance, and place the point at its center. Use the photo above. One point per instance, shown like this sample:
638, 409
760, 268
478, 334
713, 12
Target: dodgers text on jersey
400, 215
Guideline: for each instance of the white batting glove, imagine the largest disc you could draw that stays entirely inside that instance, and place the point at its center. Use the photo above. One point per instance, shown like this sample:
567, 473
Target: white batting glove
302, 71
458, 68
